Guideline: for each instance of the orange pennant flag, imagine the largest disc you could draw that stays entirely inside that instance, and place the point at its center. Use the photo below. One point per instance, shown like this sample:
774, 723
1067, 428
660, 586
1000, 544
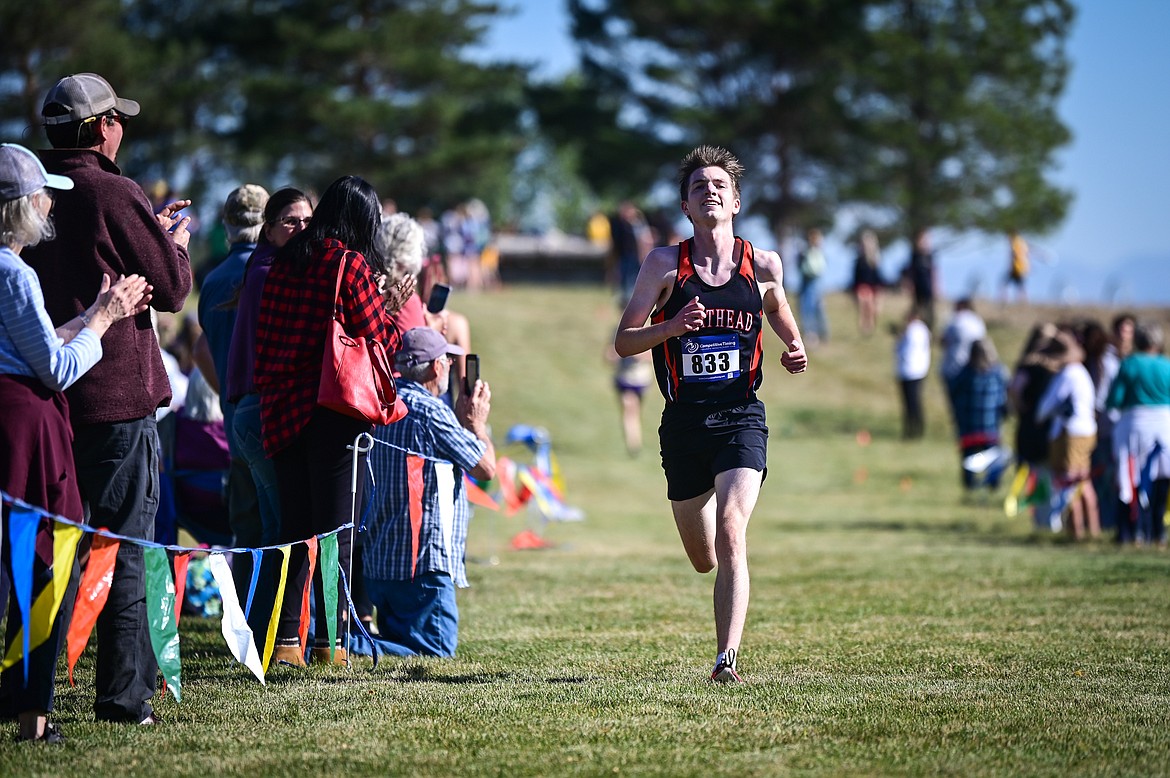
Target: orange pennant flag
414, 490
91, 596
181, 560
477, 496
506, 474
303, 627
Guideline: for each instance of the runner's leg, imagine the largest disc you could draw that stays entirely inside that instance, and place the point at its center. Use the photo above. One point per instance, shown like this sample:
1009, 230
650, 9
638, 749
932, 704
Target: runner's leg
736, 494
695, 519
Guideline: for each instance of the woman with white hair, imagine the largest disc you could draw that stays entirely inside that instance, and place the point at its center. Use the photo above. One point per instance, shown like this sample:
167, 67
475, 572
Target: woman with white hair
402, 243
37, 363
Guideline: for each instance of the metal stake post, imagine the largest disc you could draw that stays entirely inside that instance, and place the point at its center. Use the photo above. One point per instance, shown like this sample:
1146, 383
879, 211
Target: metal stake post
362, 444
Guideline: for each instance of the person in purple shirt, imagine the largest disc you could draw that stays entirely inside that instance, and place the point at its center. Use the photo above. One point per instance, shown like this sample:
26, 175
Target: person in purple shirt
286, 213
243, 219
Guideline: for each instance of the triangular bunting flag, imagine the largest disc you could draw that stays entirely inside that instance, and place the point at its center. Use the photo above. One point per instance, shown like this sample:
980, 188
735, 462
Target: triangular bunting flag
303, 627
329, 568
477, 496
270, 637
181, 560
44, 610
414, 490
160, 613
91, 595
235, 627
22, 544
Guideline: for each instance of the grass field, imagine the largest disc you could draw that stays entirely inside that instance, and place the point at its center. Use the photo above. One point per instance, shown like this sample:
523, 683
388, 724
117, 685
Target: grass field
894, 629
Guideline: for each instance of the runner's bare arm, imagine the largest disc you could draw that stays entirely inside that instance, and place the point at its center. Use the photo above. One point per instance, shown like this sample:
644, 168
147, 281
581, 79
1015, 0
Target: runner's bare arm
770, 273
651, 290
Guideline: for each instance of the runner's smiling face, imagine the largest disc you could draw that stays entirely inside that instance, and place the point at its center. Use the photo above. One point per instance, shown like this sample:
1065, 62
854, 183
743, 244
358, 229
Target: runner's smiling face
711, 197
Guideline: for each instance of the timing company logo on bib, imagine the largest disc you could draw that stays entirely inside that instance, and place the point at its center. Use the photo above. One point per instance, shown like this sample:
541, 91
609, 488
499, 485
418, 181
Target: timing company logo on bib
710, 357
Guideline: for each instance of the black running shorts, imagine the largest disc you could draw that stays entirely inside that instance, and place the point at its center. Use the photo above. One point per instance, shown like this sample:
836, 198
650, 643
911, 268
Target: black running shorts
699, 442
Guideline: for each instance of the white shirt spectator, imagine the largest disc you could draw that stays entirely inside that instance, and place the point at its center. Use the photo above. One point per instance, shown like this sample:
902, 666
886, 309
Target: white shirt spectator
912, 352
964, 328
1069, 401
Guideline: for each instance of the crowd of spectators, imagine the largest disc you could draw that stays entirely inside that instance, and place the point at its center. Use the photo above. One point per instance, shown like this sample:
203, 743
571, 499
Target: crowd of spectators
94, 353
96, 357
1093, 420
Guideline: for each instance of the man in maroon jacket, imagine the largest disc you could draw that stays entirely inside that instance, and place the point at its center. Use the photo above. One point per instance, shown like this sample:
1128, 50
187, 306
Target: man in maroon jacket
106, 225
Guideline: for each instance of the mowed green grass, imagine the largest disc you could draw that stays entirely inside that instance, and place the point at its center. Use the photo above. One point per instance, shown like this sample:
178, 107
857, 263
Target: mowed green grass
894, 628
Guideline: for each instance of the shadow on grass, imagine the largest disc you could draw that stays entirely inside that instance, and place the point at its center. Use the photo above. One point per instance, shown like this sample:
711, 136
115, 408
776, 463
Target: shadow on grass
970, 529
416, 673
427, 674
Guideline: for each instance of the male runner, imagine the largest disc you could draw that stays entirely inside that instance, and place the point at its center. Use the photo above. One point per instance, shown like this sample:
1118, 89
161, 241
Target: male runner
706, 299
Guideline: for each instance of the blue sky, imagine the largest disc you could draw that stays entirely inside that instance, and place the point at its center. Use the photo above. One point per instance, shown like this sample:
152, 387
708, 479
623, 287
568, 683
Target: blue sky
1114, 245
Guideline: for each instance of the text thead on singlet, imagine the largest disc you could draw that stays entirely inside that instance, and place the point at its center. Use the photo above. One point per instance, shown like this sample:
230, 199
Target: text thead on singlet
720, 363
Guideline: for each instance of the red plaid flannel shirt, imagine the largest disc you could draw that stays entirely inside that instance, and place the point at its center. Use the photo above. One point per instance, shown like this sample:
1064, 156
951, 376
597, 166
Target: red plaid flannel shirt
294, 316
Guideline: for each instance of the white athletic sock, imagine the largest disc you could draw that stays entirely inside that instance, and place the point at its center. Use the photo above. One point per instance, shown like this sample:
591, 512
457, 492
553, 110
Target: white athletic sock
726, 657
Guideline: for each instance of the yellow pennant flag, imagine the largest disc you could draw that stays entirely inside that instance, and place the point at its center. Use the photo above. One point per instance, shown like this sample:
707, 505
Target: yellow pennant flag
1011, 503
48, 602
270, 639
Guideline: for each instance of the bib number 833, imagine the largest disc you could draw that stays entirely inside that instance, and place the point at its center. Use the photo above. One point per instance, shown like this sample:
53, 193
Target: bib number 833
710, 363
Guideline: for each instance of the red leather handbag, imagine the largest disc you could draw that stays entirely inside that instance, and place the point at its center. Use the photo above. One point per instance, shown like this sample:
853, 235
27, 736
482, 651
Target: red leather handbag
356, 379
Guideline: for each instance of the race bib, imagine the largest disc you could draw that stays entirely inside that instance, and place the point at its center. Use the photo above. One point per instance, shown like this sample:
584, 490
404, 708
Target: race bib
710, 357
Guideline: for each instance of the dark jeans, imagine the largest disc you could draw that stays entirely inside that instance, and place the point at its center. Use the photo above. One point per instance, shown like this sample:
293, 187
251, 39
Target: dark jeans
315, 473
913, 420
117, 472
249, 446
1146, 525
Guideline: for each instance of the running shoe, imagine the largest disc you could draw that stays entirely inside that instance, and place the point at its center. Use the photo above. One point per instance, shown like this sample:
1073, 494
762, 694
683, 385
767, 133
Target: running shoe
725, 671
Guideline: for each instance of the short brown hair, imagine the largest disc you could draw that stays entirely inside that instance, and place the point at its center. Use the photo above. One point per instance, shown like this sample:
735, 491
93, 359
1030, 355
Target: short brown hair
709, 156
81, 134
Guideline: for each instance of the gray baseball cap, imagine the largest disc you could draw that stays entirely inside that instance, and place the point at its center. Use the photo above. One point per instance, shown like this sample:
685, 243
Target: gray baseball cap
21, 173
423, 344
84, 95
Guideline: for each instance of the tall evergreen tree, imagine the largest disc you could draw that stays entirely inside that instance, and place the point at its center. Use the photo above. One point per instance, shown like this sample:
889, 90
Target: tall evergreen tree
286, 91
46, 40
954, 102
756, 77
379, 88
923, 112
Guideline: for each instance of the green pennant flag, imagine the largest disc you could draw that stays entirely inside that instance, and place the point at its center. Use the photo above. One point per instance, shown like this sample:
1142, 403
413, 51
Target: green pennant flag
327, 559
1041, 492
160, 609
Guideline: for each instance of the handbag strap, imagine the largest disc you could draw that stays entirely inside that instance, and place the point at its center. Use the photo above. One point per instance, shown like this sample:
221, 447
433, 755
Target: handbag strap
337, 309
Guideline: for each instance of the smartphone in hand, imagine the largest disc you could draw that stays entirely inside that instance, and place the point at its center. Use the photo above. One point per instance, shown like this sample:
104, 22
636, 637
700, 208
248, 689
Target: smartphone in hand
471, 372
438, 299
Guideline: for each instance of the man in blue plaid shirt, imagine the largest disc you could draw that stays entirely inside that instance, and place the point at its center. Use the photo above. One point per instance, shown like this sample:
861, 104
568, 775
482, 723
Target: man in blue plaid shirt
413, 552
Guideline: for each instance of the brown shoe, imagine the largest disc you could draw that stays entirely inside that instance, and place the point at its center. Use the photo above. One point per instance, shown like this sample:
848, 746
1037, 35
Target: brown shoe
288, 655
320, 656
